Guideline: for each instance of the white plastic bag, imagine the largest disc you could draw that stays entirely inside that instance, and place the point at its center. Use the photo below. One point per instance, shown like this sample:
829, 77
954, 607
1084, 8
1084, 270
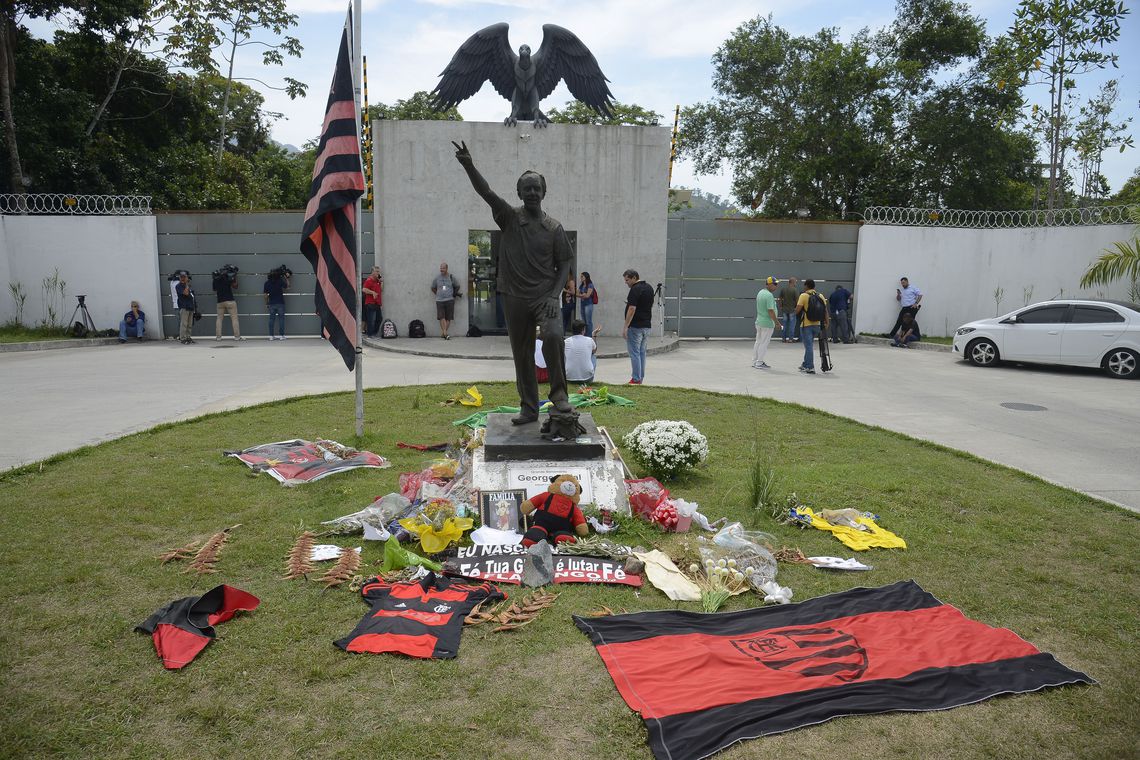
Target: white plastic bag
748, 548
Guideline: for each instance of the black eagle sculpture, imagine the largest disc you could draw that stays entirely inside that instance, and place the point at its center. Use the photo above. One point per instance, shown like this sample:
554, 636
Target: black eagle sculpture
524, 79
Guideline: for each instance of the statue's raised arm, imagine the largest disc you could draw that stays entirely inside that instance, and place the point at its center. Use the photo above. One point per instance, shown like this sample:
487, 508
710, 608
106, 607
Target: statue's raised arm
463, 156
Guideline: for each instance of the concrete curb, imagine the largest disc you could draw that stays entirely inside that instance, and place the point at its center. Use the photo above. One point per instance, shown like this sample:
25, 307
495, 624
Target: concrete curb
401, 346
45, 345
920, 345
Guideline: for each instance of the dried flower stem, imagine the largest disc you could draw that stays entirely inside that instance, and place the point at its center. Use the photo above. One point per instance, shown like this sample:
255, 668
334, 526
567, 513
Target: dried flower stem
300, 561
342, 572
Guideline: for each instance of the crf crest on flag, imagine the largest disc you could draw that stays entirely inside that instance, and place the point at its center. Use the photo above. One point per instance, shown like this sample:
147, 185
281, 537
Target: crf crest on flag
328, 239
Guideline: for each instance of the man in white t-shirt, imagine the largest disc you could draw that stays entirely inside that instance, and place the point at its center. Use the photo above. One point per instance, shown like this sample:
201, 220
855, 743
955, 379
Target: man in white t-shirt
581, 354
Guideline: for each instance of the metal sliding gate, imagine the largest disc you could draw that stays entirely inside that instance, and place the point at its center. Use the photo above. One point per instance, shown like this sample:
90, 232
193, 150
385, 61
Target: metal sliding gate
713, 269
255, 243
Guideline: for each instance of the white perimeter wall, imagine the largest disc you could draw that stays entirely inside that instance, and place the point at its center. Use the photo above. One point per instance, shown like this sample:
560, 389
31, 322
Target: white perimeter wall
609, 184
957, 270
110, 259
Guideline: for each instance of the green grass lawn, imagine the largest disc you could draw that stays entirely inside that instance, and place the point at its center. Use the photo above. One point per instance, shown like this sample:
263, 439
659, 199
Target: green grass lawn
82, 534
13, 333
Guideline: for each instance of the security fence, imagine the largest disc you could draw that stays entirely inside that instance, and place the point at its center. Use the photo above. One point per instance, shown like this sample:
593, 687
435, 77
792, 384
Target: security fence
77, 205
255, 243
953, 217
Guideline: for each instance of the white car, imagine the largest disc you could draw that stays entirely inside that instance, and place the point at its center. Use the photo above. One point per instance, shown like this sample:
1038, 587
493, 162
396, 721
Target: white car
1081, 333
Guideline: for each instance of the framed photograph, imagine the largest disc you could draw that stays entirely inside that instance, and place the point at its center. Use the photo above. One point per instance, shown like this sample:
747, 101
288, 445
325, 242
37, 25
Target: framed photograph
502, 509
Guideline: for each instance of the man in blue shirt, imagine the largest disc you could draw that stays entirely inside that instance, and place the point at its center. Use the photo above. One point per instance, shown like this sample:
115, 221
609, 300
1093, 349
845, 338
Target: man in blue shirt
133, 323
910, 301
839, 304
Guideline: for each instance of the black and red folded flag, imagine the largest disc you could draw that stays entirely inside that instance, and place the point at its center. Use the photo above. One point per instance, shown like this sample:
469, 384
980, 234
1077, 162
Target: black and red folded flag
328, 238
184, 627
704, 682
420, 619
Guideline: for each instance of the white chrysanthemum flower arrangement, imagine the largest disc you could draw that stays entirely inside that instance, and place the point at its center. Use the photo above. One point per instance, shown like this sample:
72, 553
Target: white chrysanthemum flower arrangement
666, 448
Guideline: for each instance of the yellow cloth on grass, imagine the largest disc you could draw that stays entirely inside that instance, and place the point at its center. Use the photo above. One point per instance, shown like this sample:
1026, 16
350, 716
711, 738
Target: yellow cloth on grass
433, 540
859, 540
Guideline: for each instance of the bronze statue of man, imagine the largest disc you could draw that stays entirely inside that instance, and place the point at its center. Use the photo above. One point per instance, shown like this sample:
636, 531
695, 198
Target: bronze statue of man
532, 267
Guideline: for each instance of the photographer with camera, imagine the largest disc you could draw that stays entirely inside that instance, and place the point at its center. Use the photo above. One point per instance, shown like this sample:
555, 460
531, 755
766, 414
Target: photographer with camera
187, 307
225, 280
274, 291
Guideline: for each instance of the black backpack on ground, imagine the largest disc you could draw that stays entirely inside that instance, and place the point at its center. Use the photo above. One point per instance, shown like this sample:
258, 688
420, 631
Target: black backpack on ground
388, 329
816, 309
416, 329
474, 332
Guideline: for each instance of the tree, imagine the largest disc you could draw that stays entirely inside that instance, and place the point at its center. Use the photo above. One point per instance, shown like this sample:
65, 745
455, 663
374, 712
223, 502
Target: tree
154, 137
1116, 263
1096, 133
204, 28
87, 16
1052, 42
416, 108
903, 116
577, 112
798, 118
1129, 192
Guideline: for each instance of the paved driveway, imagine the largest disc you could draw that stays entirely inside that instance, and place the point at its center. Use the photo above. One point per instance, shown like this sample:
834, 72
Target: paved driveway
1085, 438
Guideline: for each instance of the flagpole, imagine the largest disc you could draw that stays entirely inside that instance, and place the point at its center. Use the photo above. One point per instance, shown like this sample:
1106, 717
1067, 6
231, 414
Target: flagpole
357, 78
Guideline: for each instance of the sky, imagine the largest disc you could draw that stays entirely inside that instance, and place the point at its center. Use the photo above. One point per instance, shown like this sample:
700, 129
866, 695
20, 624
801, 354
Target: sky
656, 53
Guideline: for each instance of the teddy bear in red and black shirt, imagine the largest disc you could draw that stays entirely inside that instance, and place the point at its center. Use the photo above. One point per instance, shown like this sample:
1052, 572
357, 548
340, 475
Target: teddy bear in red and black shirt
557, 516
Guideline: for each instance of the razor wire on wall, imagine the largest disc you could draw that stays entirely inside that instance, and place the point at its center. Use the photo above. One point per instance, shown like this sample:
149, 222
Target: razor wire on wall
76, 205
952, 217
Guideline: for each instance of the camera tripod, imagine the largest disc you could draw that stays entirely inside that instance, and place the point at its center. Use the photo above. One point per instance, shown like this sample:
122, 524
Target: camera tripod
82, 307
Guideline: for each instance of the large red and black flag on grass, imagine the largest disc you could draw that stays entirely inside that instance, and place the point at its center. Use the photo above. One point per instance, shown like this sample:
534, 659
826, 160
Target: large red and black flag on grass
328, 239
704, 682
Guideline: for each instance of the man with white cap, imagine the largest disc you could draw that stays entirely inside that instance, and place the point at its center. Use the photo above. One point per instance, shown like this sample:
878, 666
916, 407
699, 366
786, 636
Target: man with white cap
766, 320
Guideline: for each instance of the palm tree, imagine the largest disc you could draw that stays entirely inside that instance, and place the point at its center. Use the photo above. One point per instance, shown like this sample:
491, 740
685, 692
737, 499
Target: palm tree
1120, 261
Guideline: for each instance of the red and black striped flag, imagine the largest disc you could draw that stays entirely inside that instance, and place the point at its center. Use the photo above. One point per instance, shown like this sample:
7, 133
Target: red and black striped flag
704, 682
328, 239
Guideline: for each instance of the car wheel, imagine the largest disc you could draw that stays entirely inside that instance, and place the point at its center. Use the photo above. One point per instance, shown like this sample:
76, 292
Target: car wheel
982, 353
1123, 363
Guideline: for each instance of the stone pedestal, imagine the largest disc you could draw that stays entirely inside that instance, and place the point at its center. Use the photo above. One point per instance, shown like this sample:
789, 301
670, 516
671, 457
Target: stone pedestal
506, 442
516, 457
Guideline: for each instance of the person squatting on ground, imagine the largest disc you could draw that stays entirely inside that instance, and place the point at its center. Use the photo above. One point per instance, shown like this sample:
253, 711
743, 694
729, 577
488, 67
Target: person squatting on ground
187, 306
446, 290
225, 280
839, 304
812, 310
533, 264
581, 354
373, 290
766, 321
788, 296
638, 320
133, 323
588, 295
910, 301
907, 333
274, 293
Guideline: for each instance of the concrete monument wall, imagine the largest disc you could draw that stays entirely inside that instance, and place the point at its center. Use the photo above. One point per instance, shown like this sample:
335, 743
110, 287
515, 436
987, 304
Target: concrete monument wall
110, 259
607, 184
958, 270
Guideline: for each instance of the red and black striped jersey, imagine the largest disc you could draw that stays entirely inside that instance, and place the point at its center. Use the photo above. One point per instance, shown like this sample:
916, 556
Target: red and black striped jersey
422, 619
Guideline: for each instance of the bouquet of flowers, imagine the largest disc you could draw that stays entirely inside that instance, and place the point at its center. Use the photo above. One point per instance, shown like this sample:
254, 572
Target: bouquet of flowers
666, 447
721, 579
